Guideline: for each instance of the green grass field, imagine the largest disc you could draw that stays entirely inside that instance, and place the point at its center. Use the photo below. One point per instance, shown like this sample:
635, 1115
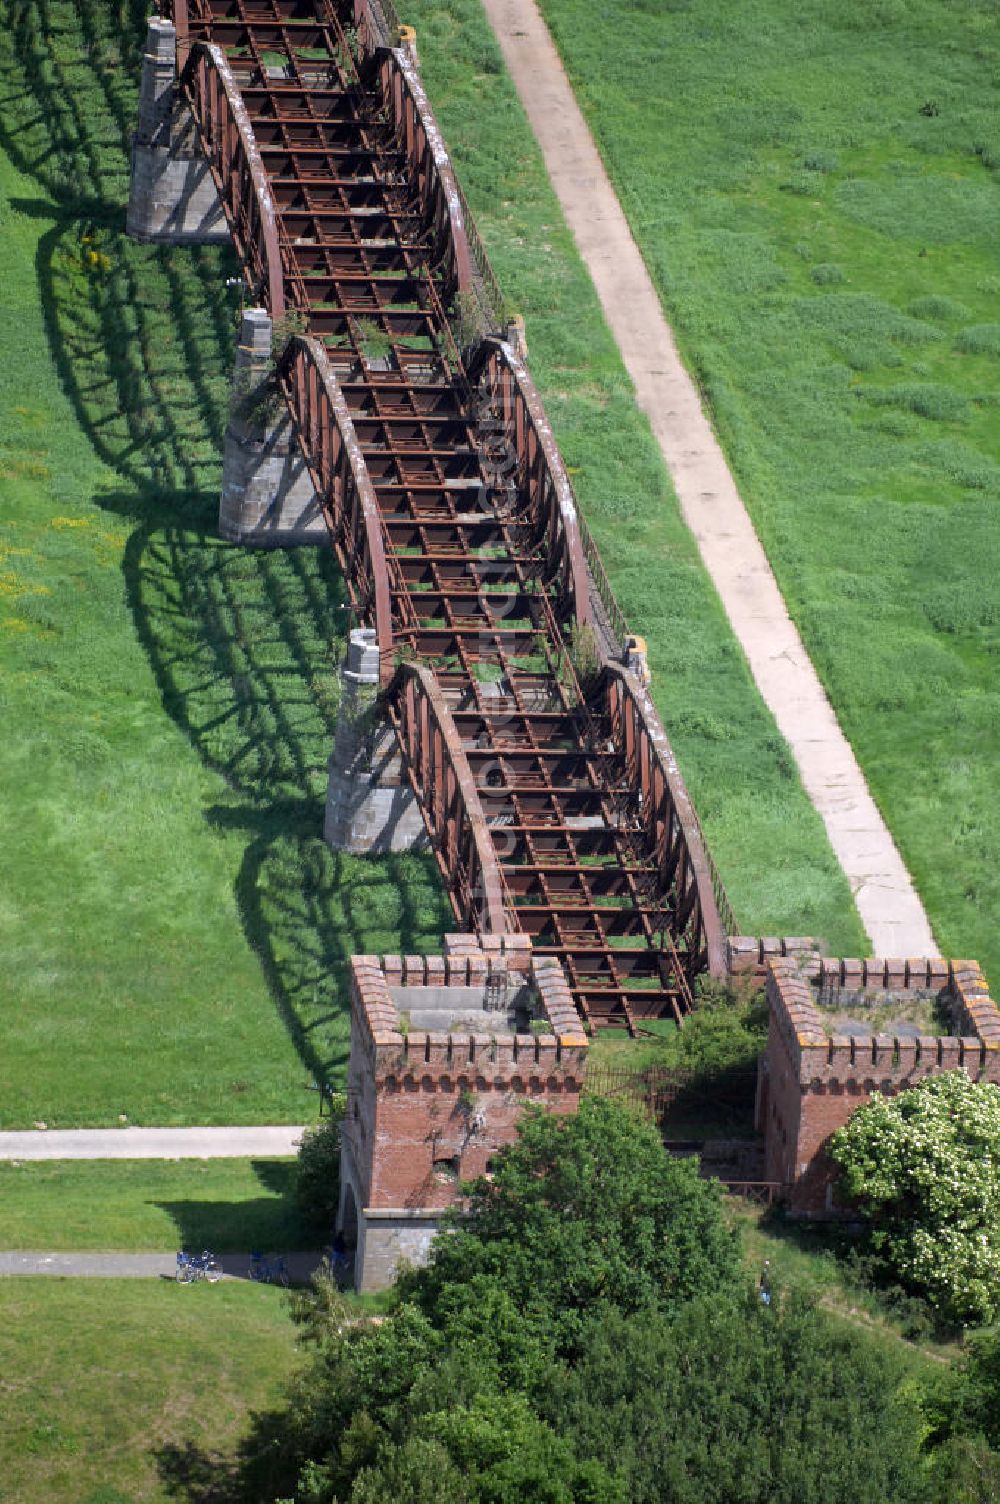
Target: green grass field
110, 1386
228, 1205
174, 932
766, 838
815, 191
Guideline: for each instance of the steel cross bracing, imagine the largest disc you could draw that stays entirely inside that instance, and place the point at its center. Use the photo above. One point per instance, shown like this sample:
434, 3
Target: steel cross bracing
585, 862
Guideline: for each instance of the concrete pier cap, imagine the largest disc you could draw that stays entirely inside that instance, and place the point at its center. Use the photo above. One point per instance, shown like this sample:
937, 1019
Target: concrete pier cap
362, 655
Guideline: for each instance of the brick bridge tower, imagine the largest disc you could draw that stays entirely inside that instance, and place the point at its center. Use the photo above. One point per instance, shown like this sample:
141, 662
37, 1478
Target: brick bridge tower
445, 1053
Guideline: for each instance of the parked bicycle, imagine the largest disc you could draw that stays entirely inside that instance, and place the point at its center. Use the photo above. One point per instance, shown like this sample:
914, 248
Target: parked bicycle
192, 1266
268, 1271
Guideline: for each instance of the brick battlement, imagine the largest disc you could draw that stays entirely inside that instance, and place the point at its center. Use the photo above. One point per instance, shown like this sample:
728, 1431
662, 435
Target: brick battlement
471, 968
443, 1061
820, 1067
748, 955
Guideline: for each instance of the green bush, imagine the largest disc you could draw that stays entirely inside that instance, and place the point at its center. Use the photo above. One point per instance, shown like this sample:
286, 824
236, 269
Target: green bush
317, 1173
924, 1167
928, 399
726, 1031
979, 339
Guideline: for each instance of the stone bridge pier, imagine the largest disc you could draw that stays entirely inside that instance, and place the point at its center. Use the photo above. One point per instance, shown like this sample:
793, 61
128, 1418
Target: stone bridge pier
370, 806
172, 199
267, 499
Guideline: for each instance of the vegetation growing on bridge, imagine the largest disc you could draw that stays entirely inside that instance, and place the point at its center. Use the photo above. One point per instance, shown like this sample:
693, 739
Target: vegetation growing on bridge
767, 839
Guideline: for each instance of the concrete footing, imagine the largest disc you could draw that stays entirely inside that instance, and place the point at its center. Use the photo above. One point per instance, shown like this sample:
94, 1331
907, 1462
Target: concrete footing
172, 194
376, 1239
388, 1237
267, 499
370, 807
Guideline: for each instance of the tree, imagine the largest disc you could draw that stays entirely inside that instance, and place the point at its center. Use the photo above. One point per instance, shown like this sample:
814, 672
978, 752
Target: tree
583, 1210
925, 1168
965, 1401
317, 1169
727, 1401
492, 1451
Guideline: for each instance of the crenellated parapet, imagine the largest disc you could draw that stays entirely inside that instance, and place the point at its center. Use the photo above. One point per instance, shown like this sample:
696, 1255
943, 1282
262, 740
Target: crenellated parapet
446, 1051
842, 1030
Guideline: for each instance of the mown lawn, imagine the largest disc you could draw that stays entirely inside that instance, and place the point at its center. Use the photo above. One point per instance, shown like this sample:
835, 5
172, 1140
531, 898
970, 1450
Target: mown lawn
174, 932
815, 190
768, 841
228, 1205
112, 1388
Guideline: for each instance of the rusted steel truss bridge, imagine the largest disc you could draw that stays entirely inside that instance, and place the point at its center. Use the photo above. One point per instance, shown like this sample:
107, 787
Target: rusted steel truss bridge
547, 785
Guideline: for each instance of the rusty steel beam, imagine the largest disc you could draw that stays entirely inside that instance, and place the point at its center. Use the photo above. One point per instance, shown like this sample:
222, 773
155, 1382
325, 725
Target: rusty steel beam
342, 484
443, 783
416, 131
507, 388
553, 806
650, 760
229, 144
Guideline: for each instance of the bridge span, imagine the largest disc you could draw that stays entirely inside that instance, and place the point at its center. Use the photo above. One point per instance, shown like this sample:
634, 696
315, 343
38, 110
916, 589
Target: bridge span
547, 785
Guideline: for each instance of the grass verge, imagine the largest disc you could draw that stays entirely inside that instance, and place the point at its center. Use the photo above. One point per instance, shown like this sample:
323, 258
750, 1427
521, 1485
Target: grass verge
802, 1258
175, 932
815, 191
228, 1205
109, 1385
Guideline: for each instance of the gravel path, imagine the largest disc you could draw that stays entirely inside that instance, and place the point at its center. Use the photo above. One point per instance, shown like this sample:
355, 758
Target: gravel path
150, 1143
887, 902
139, 1265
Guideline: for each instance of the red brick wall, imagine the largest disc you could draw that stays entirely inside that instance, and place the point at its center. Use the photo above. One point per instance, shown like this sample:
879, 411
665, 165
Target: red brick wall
418, 1098
814, 1083
425, 1118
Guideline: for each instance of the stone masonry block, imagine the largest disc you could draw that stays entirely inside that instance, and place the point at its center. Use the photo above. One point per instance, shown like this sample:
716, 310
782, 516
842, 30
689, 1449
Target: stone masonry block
949, 1054
907, 1056
916, 971
743, 953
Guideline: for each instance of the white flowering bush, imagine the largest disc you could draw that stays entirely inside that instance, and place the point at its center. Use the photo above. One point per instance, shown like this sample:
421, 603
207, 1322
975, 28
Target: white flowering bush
925, 1168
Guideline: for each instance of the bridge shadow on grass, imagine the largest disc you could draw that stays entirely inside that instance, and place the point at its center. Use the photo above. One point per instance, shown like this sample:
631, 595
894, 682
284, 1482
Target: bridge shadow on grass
244, 645
270, 1222
263, 1467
